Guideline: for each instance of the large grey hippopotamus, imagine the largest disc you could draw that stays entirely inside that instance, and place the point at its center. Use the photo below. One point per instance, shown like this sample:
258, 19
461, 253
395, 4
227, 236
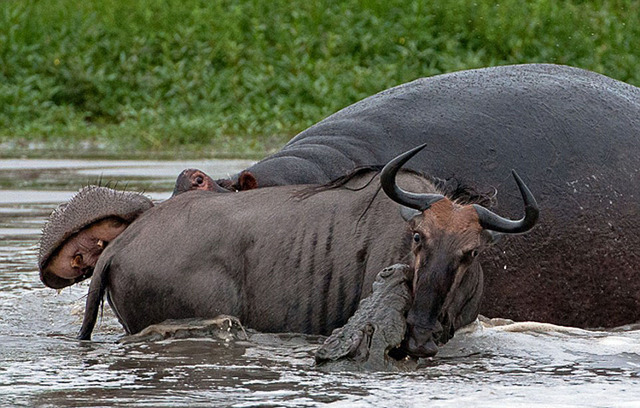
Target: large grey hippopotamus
573, 134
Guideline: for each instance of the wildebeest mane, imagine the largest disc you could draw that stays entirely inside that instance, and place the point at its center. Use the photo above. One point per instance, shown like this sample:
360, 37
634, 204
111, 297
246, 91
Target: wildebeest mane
462, 193
340, 182
453, 188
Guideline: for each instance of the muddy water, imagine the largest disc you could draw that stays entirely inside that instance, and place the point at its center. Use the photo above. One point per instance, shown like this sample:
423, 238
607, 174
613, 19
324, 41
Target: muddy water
41, 363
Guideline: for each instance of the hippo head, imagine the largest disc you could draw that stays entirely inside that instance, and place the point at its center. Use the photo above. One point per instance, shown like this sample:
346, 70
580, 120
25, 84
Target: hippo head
194, 179
447, 238
77, 232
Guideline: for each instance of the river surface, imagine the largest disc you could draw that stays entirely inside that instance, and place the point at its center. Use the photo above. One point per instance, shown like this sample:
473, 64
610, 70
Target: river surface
42, 364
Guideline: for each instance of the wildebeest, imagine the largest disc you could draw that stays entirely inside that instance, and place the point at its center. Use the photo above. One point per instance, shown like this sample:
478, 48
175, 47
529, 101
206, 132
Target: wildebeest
572, 133
269, 262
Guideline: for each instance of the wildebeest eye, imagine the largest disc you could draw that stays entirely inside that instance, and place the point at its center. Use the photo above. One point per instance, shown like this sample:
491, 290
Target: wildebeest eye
416, 238
469, 256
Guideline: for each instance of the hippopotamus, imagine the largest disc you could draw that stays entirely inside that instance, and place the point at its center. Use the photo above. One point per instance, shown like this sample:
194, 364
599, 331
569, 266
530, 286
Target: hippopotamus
77, 232
372, 337
572, 133
292, 260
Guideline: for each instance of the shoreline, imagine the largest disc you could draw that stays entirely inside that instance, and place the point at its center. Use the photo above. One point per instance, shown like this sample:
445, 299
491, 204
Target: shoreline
87, 149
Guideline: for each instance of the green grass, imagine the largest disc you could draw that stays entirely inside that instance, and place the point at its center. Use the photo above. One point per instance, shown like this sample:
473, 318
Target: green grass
240, 77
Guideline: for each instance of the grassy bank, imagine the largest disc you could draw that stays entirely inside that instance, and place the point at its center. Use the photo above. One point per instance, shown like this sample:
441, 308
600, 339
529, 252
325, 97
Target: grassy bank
242, 76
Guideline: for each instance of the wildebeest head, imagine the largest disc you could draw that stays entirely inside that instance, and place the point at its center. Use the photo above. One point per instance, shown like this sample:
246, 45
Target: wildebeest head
447, 239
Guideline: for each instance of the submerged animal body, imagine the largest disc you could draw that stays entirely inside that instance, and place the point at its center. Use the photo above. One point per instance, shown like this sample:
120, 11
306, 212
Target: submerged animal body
279, 262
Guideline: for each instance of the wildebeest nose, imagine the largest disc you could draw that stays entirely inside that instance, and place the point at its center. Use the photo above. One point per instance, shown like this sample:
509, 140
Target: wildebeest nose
415, 348
420, 341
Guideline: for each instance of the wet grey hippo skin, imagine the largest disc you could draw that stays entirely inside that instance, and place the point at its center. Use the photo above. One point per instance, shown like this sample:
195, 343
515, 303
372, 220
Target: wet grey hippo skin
377, 327
292, 259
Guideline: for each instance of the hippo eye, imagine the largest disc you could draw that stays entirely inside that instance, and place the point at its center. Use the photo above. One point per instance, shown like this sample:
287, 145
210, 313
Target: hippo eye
199, 179
416, 238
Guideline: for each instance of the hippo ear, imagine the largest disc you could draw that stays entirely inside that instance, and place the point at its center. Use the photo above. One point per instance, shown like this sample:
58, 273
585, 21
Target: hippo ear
246, 181
408, 213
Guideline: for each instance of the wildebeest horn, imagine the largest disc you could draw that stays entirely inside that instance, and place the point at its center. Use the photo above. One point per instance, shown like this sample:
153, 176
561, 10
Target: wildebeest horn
493, 222
419, 202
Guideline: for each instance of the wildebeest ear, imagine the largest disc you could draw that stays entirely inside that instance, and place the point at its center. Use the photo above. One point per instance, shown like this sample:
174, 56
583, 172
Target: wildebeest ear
246, 181
408, 213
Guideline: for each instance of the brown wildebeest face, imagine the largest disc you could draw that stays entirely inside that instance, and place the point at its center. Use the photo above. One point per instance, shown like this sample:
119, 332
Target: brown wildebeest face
447, 239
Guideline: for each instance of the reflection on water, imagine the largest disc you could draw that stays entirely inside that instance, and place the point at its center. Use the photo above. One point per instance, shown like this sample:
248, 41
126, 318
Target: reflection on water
41, 363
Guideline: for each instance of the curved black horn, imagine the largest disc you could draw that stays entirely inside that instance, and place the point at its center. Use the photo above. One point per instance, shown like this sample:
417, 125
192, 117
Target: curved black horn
490, 221
419, 202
